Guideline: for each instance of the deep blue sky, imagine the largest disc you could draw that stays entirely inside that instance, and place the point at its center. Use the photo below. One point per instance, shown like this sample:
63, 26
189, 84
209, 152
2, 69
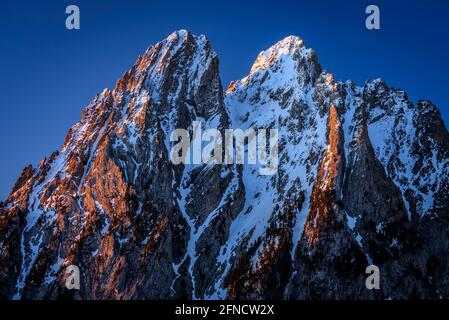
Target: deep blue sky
48, 74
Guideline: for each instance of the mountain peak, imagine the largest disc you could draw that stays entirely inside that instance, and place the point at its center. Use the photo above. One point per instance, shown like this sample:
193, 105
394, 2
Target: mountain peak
183, 35
286, 46
179, 33
177, 40
181, 50
361, 178
287, 61
290, 42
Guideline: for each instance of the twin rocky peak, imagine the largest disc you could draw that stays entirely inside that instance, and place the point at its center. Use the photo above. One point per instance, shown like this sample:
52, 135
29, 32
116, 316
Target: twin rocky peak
363, 179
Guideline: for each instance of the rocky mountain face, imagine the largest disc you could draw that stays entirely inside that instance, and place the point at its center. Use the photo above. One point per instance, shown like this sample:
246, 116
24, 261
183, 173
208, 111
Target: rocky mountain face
363, 179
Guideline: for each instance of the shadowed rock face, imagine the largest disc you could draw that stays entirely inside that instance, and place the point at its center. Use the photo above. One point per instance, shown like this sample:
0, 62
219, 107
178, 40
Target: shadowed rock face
363, 179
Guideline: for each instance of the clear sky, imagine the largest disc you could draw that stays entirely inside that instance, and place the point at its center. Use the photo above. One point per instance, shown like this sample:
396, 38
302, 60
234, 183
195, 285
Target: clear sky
48, 73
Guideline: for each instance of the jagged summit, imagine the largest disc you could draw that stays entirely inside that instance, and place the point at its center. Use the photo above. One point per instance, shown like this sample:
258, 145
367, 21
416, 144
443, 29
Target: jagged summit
181, 50
286, 62
178, 33
179, 37
291, 45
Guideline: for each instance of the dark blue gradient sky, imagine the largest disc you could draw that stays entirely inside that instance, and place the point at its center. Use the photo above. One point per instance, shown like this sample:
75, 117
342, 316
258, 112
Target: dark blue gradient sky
48, 74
